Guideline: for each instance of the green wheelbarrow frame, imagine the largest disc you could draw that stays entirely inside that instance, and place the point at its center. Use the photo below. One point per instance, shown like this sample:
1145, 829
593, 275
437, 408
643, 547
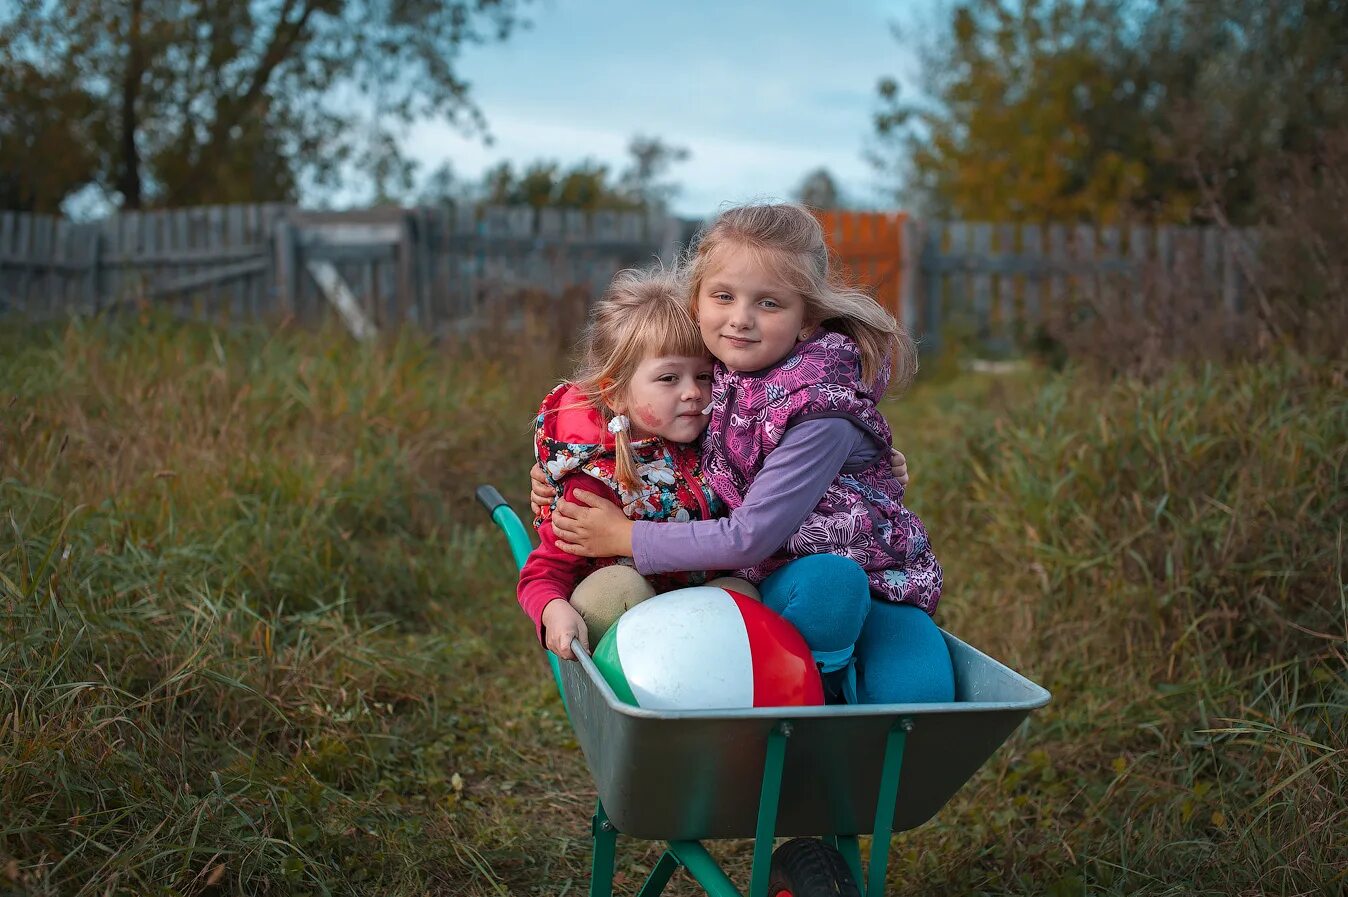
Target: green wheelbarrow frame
684, 776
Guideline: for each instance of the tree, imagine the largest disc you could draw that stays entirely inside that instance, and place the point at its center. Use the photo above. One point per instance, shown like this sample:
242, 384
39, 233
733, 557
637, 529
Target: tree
588, 184
1102, 109
819, 190
45, 149
223, 101
1030, 119
651, 159
585, 185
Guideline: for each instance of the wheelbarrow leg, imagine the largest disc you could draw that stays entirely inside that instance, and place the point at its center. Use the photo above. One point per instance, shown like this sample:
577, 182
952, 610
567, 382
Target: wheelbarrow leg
851, 850
773, 762
884, 805
605, 848
703, 868
660, 875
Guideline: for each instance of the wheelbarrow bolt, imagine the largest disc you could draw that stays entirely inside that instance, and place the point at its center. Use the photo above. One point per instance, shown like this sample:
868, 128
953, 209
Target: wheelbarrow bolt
606, 826
906, 724
785, 728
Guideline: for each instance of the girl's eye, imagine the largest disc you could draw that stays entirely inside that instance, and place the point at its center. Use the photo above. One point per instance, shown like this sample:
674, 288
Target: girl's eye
706, 378
721, 297
668, 378
769, 303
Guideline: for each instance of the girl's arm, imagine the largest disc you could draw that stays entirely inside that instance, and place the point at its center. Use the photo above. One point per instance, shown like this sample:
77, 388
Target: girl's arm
550, 574
794, 477
541, 492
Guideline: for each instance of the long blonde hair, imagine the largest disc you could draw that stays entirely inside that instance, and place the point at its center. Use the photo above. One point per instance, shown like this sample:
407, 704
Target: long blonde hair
642, 314
789, 241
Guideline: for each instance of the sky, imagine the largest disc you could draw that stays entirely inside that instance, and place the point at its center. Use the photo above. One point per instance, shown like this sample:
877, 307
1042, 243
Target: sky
760, 93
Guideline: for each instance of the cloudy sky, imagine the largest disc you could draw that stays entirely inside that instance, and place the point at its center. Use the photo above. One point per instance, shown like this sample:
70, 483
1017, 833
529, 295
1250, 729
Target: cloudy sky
761, 93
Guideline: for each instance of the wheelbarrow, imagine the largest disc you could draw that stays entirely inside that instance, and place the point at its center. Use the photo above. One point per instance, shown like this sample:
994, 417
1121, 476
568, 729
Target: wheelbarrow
820, 776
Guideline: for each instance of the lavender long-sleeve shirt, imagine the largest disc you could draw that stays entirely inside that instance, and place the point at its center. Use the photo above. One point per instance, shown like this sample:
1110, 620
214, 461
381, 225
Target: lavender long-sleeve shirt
793, 480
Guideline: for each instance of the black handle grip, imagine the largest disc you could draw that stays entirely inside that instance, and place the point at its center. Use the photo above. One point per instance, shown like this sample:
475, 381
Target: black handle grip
490, 498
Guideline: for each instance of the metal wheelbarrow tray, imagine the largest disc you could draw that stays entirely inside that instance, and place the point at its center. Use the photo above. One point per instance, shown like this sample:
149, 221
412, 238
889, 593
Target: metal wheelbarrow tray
835, 772
686, 775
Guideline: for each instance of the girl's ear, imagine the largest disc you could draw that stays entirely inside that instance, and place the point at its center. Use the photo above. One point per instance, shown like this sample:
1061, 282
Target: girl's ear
615, 399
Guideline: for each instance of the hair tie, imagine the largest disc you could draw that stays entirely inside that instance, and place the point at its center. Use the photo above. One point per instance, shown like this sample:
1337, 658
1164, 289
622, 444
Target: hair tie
618, 424
707, 410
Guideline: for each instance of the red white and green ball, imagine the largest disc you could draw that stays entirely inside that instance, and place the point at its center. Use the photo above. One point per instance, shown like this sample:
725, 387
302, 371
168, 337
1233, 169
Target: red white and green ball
707, 648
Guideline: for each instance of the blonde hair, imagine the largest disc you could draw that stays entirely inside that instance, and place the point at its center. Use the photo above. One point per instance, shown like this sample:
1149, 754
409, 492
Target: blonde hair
789, 241
642, 314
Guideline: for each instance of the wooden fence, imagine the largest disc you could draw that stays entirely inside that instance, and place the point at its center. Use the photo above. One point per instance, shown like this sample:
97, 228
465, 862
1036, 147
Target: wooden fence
1004, 281
870, 247
434, 267
440, 268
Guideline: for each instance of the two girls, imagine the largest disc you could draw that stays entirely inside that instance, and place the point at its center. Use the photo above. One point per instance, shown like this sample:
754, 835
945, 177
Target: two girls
798, 450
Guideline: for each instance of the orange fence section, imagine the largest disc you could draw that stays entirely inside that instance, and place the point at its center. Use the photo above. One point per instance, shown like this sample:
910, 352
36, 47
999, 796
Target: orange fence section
869, 247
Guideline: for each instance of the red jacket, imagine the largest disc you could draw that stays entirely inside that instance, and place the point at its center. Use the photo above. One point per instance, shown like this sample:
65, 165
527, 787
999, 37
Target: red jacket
576, 451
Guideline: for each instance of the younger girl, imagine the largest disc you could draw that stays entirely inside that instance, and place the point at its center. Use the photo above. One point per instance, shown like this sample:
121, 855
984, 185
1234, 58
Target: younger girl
798, 450
621, 431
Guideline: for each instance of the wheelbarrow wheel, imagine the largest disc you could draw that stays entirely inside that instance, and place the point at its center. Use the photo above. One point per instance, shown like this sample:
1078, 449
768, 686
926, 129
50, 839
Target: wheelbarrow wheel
807, 867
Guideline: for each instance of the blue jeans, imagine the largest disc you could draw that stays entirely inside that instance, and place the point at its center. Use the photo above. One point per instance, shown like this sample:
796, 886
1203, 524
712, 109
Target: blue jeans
899, 653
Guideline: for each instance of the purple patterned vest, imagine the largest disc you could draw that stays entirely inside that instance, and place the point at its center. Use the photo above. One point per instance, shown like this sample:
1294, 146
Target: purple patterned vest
861, 516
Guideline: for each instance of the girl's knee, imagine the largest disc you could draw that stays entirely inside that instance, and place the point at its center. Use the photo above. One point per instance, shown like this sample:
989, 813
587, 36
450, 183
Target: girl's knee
824, 596
735, 584
902, 658
832, 572
605, 594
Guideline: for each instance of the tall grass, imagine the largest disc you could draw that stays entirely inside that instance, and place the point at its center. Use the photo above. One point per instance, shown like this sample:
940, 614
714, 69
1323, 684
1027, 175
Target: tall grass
255, 637
1169, 559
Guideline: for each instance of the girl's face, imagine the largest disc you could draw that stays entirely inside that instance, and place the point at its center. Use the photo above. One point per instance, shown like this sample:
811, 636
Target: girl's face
666, 397
749, 319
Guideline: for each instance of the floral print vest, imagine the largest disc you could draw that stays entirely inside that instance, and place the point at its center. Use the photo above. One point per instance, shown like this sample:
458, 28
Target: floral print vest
861, 516
672, 483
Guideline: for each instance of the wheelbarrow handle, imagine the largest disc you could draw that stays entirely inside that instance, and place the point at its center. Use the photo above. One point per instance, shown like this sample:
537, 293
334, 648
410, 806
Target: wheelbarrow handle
490, 498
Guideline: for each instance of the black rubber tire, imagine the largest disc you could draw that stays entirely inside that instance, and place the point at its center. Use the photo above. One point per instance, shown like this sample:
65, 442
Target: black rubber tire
807, 867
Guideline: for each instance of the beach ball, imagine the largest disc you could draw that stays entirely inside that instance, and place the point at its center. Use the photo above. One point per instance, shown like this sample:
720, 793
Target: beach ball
707, 648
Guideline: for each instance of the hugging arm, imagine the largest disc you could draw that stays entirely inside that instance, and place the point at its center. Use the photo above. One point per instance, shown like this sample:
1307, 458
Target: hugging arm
793, 479
541, 492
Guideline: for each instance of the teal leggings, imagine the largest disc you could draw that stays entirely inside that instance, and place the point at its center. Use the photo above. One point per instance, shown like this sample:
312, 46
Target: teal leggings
900, 655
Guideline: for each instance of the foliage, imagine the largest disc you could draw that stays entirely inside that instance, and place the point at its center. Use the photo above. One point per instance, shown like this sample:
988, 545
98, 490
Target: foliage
257, 637
587, 184
819, 190
191, 103
45, 150
1105, 109
651, 160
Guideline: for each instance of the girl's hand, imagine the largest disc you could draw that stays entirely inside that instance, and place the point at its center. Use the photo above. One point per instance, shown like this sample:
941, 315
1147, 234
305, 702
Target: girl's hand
561, 624
595, 528
897, 462
541, 492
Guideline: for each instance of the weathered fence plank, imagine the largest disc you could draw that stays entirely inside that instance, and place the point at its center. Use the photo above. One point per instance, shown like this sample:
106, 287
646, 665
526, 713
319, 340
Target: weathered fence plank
1032, 246
1006, 317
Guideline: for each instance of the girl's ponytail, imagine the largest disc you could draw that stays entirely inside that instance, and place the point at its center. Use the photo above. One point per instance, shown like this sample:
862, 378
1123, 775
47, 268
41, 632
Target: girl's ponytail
626, 467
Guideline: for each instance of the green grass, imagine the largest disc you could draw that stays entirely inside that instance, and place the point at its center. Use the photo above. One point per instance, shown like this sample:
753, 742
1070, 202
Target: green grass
256, 637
